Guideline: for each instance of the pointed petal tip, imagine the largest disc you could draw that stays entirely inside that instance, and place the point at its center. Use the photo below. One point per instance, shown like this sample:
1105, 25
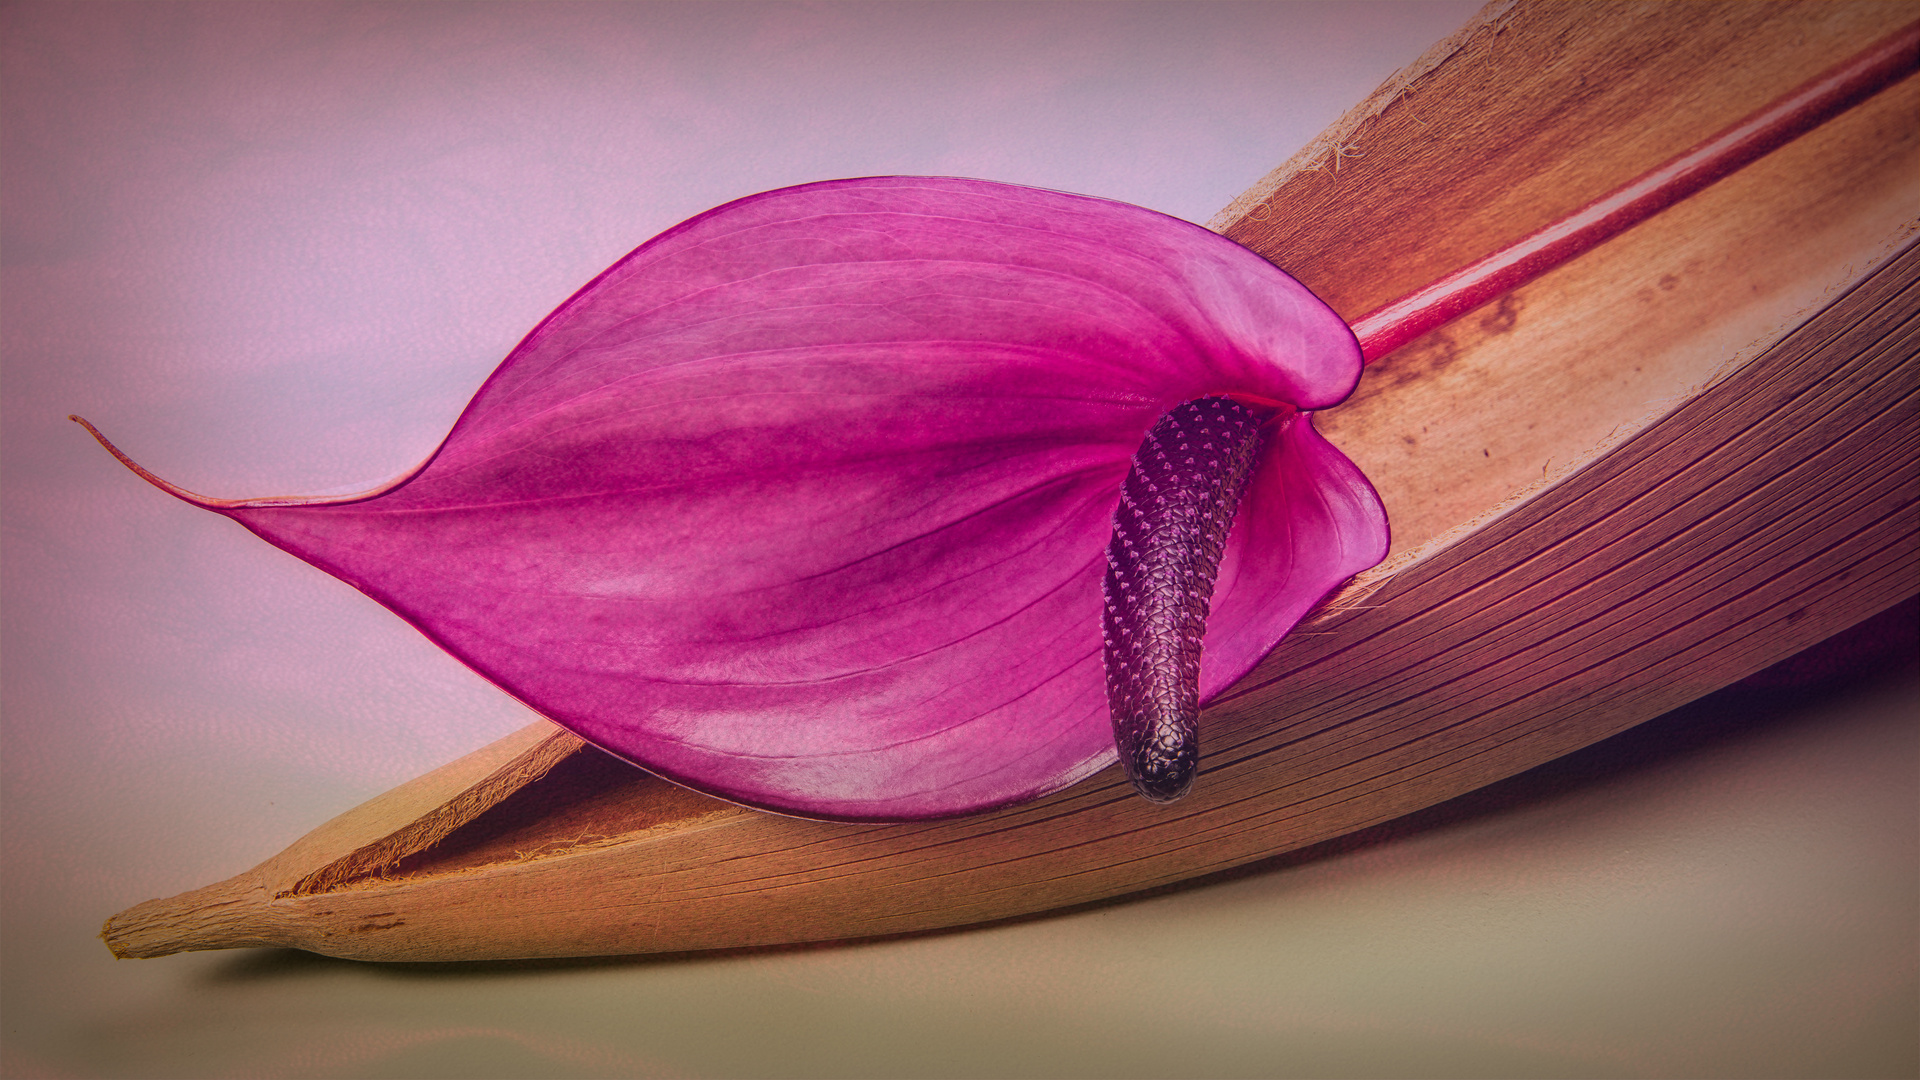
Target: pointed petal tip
134, 467
222, 506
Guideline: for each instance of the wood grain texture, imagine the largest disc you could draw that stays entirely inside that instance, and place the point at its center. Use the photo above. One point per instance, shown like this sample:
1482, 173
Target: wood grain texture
1612, 340
1531, 111
155, 927
1689, 454
417, 835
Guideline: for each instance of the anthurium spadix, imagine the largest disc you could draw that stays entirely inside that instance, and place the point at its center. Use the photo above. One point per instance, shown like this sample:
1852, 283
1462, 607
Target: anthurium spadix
807, 502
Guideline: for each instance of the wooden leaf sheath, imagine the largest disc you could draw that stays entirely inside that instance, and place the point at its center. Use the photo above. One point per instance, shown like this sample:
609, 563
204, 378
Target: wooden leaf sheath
1687, 454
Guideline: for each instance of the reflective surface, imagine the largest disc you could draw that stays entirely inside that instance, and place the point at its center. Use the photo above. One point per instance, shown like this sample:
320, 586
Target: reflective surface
1726, 891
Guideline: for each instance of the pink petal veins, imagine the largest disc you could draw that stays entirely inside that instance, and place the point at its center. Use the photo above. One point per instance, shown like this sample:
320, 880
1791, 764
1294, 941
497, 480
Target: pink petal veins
804, 502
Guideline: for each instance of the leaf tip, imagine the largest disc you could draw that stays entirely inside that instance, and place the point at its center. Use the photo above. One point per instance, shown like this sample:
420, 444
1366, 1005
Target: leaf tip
134, 467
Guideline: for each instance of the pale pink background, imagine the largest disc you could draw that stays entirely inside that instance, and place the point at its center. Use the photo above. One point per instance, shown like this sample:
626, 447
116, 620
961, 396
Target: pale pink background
271, 250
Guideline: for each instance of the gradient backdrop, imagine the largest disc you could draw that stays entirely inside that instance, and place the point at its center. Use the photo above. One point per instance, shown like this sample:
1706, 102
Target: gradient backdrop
272, 249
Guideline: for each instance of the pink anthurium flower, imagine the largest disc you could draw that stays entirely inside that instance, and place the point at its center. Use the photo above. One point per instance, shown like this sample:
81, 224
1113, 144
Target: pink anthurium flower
806, 502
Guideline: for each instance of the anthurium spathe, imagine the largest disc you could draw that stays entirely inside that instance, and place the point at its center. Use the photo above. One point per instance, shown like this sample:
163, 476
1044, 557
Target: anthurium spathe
805, 502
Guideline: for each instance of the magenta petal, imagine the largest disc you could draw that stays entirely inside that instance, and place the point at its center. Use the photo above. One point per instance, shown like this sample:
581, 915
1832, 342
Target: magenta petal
803, 503
1308, 521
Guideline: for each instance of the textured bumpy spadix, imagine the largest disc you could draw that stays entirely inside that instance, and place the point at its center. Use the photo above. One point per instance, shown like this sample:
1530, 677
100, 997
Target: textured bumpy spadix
1176, 511
804, 502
